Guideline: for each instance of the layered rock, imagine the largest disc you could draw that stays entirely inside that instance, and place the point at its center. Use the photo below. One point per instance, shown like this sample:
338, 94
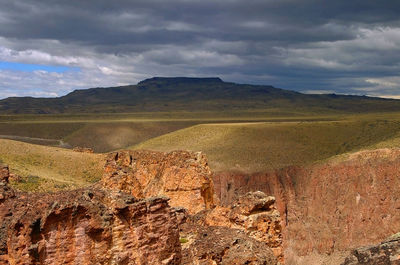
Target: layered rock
182, 176
332, 206
88, 226
385, 253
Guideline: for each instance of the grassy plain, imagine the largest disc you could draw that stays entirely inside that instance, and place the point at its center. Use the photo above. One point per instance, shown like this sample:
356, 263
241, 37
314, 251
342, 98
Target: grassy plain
248, 141
259, 146
107, 132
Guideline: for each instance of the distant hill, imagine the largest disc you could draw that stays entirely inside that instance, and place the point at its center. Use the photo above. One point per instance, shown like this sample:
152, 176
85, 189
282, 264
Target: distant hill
192, 94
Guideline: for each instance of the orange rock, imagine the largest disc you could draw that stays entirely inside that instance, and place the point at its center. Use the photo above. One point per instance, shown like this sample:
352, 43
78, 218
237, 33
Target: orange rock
222, 245
331, 206
5, 191
88, 226
4, 173
254, 213
182, 176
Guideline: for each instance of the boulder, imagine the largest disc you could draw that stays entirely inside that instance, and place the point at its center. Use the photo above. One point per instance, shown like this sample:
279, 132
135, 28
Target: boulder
226, 246
385, 253
254, 213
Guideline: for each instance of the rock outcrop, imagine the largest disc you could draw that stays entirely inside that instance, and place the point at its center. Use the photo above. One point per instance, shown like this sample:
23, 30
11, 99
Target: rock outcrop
182, 176
87, 226
126, 218
385, 253
83, 150
254, 213
186, 178
5, 191
336, 205
4, 173
222, 245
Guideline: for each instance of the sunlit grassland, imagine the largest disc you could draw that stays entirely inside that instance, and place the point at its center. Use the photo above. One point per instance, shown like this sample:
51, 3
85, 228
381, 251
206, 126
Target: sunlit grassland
253, 147
50, 168
106, 132
247, 141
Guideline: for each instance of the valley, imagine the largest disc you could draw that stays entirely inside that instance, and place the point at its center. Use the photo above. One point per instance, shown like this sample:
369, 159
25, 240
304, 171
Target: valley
320, 172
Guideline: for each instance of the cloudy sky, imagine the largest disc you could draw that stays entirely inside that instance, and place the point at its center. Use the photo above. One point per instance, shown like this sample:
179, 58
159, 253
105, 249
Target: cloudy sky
50, 47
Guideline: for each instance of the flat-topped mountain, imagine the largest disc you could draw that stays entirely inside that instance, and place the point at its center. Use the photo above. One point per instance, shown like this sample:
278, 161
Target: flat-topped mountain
193, 94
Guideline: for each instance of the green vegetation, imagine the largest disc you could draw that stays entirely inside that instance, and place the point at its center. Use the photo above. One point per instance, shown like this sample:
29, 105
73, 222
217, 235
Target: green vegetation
183, 240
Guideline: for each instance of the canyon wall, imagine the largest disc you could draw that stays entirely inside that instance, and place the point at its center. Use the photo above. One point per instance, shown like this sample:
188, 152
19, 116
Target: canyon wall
335, 205
126, 218
86, 226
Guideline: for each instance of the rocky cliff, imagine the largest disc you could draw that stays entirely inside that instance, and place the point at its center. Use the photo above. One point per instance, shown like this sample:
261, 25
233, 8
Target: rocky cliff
335, 205
87, 226
186, 178
182, 176
125, 218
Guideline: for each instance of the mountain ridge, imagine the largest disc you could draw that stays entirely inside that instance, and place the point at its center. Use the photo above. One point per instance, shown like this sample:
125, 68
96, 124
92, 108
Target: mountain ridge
192, 94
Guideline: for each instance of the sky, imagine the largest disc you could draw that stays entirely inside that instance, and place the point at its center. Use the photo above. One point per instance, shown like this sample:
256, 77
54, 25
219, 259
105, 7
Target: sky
50, 47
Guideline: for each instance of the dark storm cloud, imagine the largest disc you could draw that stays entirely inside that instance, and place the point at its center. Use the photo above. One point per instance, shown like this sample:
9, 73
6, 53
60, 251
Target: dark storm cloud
307, 45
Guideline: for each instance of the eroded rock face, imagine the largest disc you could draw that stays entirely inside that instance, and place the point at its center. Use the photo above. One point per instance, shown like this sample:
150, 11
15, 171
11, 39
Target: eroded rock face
254, 213
4, 173
332, 206
186, 178
226, 246
88, 226
105, 224
5, 191
385, 253
182, 176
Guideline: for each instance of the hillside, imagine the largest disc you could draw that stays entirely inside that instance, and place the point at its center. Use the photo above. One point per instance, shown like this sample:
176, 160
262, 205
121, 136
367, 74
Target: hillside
44, 168
255, 147
193, 94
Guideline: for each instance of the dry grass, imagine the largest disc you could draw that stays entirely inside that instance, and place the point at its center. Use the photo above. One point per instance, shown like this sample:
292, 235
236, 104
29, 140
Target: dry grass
239, 142
252, 147
56, 168
107, 132
108, 136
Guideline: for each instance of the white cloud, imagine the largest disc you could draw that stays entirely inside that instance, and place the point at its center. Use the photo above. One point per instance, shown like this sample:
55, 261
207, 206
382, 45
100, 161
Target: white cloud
285, 43
367, 51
